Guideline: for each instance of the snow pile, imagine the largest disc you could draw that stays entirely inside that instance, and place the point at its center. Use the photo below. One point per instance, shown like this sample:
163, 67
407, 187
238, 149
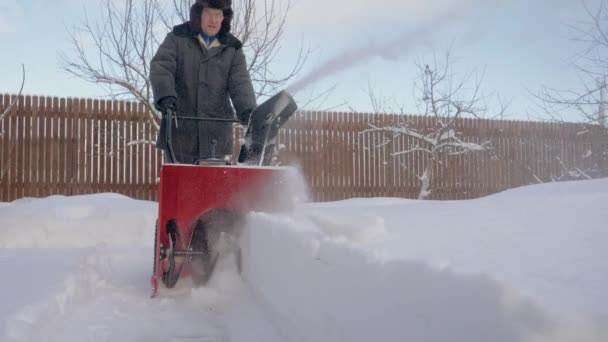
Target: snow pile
77, 221
315, 279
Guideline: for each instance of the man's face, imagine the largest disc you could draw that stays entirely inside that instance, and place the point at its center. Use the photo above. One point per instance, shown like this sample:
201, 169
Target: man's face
211, 21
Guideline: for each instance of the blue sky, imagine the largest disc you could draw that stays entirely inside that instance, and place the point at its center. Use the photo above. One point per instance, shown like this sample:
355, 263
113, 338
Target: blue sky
521, 45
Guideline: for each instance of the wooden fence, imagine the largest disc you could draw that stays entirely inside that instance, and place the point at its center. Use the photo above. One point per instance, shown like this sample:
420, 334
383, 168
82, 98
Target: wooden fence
54, 146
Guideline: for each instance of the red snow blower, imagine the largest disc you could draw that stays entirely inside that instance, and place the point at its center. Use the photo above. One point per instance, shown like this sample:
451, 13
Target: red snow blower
202, 205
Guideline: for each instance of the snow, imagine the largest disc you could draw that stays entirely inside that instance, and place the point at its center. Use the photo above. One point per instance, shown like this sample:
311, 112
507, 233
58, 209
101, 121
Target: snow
528, 264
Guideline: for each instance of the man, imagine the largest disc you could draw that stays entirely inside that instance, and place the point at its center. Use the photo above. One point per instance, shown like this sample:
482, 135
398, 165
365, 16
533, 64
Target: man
197, 70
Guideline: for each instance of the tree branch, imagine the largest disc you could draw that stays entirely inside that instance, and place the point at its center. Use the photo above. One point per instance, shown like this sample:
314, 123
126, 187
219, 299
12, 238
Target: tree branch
10, 106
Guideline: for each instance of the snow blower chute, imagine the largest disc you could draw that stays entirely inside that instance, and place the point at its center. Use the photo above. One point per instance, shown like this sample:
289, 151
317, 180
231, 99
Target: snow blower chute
204, 203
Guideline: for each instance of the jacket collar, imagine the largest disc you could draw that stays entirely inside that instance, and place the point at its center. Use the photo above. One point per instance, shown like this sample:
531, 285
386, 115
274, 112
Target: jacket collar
225, 38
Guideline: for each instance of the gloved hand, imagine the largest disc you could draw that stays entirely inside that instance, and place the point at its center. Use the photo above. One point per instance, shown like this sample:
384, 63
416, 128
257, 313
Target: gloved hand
166, 103
244, 117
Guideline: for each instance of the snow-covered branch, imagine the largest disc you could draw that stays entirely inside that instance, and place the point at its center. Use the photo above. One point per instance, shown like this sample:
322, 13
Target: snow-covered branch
141, 142
446, 101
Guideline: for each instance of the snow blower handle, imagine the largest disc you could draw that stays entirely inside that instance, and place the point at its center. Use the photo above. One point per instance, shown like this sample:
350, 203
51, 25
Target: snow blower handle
260, 136
169, 117
166, 125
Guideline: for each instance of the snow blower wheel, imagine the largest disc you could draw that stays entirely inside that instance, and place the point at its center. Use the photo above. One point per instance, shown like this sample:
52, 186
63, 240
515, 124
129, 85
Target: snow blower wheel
214, 233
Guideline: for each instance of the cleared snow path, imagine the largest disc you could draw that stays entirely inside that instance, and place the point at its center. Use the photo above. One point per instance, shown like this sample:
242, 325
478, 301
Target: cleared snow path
105, 297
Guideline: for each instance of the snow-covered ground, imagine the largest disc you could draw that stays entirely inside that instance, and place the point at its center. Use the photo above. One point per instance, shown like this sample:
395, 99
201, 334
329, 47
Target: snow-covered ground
528, 264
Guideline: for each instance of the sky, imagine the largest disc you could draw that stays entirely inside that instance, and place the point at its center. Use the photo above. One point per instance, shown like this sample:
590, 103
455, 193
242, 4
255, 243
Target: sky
518, 45
384, 269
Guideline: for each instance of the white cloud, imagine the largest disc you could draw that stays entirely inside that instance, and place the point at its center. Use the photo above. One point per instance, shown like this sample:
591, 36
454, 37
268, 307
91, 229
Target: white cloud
365, 14
10, 15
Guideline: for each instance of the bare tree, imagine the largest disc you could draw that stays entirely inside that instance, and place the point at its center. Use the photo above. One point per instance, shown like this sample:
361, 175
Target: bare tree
4, 113
115, 51
591, 65
446, 100
588, 99
12, 104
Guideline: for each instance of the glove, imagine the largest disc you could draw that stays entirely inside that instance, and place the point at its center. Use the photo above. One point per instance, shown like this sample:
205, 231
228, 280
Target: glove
167, 103
244, 116
164, 105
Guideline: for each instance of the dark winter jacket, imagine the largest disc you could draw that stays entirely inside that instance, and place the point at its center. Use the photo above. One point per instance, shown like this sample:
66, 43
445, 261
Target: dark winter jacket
203, 81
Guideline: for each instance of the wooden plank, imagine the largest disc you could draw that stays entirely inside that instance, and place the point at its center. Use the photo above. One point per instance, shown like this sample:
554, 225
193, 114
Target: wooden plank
472, 168
114, 146
118, 146
356, 144
3, 149
491, 172
311, 147
369, 167
406, 166
13, 151
333, 144
36, 164
371, 157
74, 127
381, 155
396, 160
102, 182
42, 148
133, 149
81, 160
342, 155
62, 182
148, 158
375, 156
348, 154
299, 147
128, 150
11, 167
96, 150
122, 147
55, 147
154, 161
315, 166
70, 126
19, 152
28, 189
47, 147
488, 171
89, 147
327, 172
114, 119
140, 148
339, 155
